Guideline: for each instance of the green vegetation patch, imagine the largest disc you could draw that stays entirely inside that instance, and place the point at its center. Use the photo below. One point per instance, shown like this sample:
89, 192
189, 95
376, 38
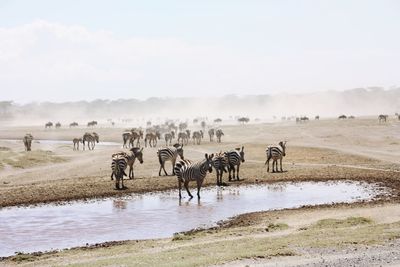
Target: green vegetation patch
337, 223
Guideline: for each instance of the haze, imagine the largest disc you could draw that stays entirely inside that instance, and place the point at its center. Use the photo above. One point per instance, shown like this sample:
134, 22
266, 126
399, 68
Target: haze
74, 50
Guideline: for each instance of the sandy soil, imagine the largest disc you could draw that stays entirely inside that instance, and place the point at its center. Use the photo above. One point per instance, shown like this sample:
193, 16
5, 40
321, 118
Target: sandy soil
360, 149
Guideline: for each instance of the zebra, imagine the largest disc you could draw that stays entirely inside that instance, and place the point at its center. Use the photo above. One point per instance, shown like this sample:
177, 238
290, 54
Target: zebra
118, 166
126, 136
136, 135
183, 138
211, 133
235, 158
382, 118
169, 154
187, 171
91, 123
152, 139
219, 133
76, 142
342, 117
48, 125
91, 139
220, 164
275, 153
27, 141
73, 124
197, 135
58, 125
169, 137
136, 153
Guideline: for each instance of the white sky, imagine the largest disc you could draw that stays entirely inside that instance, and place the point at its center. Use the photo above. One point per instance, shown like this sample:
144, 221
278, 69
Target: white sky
84, 50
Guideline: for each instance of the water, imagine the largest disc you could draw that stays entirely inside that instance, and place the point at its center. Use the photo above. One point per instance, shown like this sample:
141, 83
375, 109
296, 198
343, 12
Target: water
59, 142
157, 215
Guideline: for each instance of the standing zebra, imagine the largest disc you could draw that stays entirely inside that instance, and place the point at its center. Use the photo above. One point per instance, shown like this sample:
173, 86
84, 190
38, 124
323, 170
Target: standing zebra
187, 171
58, 125
152, 139
275, 153
73, 124
169, 154
135, 135
219, 133
235, 158
136, 153
27, 141
183, 138
169, 137
126, 136
220, 163
76, 142
91, 139
118, 166
48, 125
197, 135
211, 133
382, 118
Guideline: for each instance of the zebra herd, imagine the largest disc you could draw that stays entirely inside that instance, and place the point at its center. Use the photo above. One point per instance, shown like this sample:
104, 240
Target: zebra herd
187, 170
88, 138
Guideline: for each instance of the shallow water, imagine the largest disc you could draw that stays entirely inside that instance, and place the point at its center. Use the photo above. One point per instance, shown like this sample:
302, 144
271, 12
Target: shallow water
157, 215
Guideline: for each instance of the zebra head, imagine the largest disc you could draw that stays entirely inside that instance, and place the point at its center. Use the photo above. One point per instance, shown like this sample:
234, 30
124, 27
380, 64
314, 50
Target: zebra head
96, 137
242, 154
138, 152
283, 145
179, 150
208, 162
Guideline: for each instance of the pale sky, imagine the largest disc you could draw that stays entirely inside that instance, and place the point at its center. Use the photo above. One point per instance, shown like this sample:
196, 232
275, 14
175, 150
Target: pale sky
84, 50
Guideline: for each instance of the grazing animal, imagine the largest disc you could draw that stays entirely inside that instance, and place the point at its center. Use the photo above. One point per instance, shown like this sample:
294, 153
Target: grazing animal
197, 136
136, 153
169, 154
58, 125
187, 171
48, 125
220, 164
342, 117
118, 166
73, 124
169, 137
76, 142
235, 158
211, 133
275, 153
27, 141
183, 138
152, 139
91, 123
219, 133
382, 118
91, 139
135, 135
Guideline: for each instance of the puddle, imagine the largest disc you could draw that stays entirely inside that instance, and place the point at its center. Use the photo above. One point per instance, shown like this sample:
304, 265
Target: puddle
158, 215
59, 142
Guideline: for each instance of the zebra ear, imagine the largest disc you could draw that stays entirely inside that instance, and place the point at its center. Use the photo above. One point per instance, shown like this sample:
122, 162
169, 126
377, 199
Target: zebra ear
211, 156
206, 155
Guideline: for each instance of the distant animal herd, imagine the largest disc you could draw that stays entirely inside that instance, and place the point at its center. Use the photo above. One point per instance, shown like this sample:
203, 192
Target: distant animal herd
186, 170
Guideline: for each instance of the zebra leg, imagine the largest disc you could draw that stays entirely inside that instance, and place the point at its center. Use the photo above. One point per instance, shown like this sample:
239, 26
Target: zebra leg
122, 182
117, 183
234, 171
280, 160
173, 169
199, 183
229, 170
112, 174
130, 172
237, 172
180, 188
186, 184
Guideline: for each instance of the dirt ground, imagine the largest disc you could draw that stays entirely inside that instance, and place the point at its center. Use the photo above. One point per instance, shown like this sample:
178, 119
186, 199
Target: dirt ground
360, 149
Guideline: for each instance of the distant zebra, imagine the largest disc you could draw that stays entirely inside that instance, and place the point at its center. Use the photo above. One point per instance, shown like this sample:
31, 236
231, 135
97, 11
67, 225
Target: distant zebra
126, 136
275, 153
169, 137
235, 158
91, 139
197, 136
183, 138
342, 117
48, 125
219, 133
118, 166
152, 139
58, 125
27, 142
73, 124
169, 154
382, 118
76, 142
135, 135
220, 164
211, 133
187, 171
317, 117
91, 123
136, 153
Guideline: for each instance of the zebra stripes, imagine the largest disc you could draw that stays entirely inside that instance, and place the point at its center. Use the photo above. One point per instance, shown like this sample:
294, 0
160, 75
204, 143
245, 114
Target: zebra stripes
219, 133
169, 137
118, 167
382, 118
197, 136
235, 158
220, 164
275, 153
91, 139
211, 133
187, 171
27, 141
169, 154
76, 142
183, 138
152, 139
136, 153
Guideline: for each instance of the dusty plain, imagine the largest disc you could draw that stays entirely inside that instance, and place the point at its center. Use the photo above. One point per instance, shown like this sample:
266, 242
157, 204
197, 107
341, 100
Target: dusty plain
335, 235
